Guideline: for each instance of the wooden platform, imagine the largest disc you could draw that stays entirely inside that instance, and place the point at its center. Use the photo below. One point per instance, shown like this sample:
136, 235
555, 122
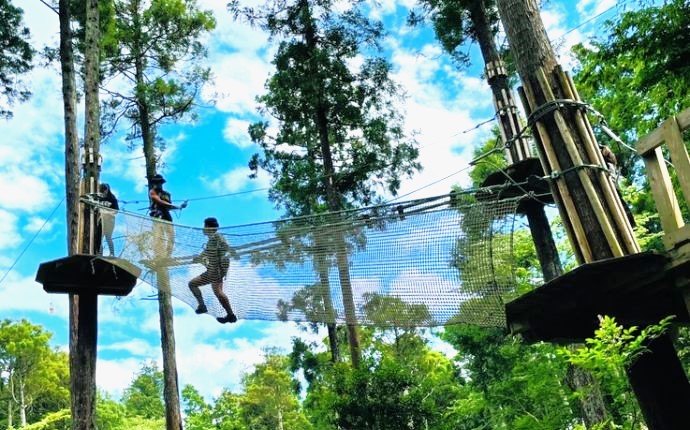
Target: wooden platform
88, 274
527, 172
638, 289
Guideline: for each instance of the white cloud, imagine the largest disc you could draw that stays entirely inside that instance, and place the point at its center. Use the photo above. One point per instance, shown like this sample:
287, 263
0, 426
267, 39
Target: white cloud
22, 189
22, 293
134, 347
235, 132
438, 111
237, 179
212, 366
9, 236
114, 376
239, 78
590, 8
35, 224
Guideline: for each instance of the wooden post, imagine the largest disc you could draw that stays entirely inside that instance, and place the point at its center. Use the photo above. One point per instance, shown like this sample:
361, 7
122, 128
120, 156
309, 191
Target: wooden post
584, 196
664, 403
547, 253
171, 392
84, 307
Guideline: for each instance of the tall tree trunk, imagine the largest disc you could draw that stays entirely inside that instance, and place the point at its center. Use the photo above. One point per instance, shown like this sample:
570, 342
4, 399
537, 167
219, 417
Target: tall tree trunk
333, 199
69, 102
69, 99
10, 409
497, 76
84, 308
280, 419
171, 392
22, 405
322, 268
591, 209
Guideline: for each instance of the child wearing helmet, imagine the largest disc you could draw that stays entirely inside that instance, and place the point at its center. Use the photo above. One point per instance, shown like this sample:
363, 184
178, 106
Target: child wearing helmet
217, 261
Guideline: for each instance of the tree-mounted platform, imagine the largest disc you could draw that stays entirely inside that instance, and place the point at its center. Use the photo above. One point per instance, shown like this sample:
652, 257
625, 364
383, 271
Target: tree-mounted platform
525, 176
638, 289
88, 274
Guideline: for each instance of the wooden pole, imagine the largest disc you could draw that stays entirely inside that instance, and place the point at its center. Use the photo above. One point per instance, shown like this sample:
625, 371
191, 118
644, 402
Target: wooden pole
84, 307
598, 230
664, 403
171, 392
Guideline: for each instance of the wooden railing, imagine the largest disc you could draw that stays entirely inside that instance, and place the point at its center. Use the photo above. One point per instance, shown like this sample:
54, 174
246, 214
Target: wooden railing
676, 232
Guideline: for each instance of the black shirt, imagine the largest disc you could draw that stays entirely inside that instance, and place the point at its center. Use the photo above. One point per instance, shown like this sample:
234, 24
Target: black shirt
161, 211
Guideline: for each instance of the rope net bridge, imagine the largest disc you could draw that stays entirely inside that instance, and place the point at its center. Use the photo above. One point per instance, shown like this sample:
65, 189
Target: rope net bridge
427, 262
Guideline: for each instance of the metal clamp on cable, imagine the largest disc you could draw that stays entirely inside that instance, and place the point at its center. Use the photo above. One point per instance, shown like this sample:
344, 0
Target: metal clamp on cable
551, 106
557, 174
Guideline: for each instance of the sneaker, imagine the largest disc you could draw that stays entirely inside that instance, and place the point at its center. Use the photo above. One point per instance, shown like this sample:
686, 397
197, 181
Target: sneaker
201, 309
230, 318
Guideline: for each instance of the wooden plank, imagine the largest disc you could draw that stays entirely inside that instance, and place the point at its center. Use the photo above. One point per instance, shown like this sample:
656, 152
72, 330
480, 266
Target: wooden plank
650, 142
677, 237
662, 190
683, 119
635, 289
679, 155
597, 206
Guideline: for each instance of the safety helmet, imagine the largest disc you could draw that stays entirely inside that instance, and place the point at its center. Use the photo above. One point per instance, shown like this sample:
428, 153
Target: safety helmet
211, 222
157, 179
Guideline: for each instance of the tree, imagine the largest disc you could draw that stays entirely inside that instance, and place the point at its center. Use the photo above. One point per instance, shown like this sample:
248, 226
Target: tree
158, 51
144, 396
227, 411
16, 55
340, 139
24, 365
269, 401
592, 210
635, 76
459, 21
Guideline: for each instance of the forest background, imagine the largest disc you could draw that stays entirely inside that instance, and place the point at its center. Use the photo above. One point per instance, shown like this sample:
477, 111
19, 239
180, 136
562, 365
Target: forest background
249, 374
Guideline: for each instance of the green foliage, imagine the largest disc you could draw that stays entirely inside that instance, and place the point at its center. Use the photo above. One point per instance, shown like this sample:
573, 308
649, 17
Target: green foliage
339, 135
144, 396
33, 377
453, 25
607, 354
16, 55
638, 75
614, 347
110, 414
269, 401
493, 158
402, 383
157, 48
198, 414
510, 384
60, 420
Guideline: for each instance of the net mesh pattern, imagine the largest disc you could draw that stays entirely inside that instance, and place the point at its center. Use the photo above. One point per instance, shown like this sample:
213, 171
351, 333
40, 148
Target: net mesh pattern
421, 263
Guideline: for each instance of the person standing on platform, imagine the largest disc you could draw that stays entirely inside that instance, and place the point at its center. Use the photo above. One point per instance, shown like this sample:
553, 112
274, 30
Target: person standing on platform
107, 210
161, 205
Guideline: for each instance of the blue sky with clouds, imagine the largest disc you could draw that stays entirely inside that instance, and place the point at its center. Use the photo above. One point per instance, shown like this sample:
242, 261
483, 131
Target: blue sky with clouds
208, 158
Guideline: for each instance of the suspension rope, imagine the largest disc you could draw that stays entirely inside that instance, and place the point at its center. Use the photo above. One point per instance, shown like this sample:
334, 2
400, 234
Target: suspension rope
26, 247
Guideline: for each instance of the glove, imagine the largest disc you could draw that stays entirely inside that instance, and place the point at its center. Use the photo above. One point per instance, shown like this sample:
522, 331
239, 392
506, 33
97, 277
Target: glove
197, 259
184, 204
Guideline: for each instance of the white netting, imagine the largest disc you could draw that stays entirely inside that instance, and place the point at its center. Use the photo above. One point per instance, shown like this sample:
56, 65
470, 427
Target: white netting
421, 263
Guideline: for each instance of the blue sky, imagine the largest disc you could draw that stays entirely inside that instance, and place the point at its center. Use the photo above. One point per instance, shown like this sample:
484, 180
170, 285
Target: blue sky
209, 158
